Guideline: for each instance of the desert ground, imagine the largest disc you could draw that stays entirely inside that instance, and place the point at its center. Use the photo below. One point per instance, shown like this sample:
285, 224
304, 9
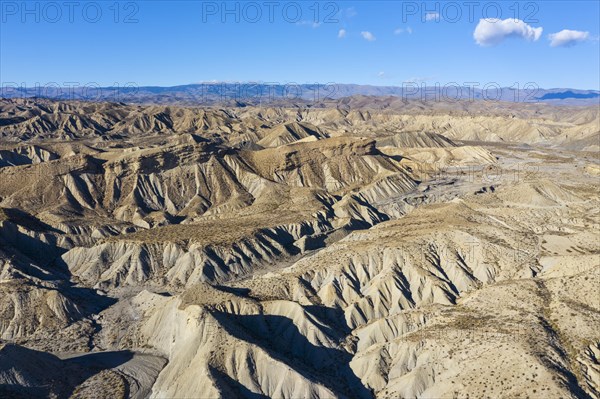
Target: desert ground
364, 247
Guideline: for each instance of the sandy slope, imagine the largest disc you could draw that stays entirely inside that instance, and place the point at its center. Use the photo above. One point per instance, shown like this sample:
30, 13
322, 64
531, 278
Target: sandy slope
354, 252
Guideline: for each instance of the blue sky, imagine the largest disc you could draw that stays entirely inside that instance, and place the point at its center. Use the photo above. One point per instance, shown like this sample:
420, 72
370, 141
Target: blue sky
382, 43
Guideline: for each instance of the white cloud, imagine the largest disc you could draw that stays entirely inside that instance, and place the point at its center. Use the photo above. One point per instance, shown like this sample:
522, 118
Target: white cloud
419, 79
368, 36
400, 31
568, 38
312, 24
342, 33
490, 32
381, 74
351, 12
432, 16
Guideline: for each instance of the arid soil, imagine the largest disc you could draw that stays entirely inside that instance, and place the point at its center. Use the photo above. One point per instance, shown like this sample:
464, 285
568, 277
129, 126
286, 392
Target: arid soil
364, 248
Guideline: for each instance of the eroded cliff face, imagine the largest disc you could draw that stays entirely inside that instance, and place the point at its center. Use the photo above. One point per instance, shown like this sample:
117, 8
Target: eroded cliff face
286, 253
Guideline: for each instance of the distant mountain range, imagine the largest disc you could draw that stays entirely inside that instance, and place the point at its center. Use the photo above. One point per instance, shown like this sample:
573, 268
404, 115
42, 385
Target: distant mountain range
265, 93
569, 94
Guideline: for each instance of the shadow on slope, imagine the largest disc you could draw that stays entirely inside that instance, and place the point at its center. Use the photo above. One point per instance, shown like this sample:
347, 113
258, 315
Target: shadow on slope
282, 339
27, 373
232, 388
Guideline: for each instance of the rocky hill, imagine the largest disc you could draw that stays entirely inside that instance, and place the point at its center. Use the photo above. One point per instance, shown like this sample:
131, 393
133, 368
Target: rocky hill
364, 248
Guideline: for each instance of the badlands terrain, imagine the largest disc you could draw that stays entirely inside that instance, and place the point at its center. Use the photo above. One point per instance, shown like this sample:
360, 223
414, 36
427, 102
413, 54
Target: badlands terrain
362, 247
